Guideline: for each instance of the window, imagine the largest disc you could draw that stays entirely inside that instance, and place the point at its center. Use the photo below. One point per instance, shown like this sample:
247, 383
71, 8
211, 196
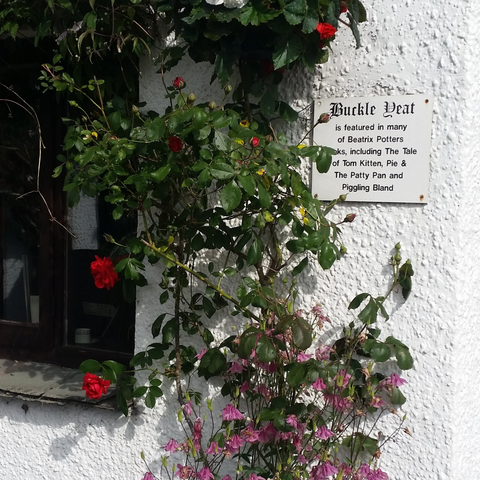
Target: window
47, 292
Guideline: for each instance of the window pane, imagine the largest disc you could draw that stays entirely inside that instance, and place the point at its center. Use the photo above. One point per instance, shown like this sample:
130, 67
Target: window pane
19, 215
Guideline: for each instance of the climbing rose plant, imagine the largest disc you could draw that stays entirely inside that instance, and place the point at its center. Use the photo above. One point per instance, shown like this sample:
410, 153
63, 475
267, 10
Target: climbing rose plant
229, 221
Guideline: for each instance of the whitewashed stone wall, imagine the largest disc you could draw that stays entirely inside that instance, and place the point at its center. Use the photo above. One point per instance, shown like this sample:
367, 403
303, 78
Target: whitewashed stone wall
410, 47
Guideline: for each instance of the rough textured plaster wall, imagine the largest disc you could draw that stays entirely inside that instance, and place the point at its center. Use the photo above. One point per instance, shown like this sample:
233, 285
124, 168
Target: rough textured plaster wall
409, 47
467, 337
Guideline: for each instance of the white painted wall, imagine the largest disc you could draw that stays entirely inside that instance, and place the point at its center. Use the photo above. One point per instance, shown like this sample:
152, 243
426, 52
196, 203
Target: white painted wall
409, 47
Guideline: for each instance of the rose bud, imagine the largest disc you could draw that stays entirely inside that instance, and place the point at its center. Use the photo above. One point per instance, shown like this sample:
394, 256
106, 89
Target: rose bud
179, 83
212, 105
227, 89
349, 218
254, 142
191, 98
324, 118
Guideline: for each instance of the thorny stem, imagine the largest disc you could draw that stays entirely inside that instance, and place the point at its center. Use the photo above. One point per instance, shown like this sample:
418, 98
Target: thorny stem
201, 278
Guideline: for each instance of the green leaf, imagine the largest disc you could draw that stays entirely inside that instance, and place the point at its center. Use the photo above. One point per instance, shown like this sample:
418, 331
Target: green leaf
150, 400
302, 333
157, 325
369, 314
161, 173
393, 341
169, 330
222, 171
230, 196
247, 343
248, 184
116, 367
297, 374
397, 397
327, 255
300, 267
265, 350
294, 11
255, 252
155, 130
199, 118
90, 366
380, 352
404, 359
287, 112
357, 301
264, 196
296, 246
208, 307
268, 103
212, 363
287, 50
310, 21
140, 391
324, 159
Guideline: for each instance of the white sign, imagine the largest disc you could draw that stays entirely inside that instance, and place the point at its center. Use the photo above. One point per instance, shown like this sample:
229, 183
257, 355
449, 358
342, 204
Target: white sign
383, 148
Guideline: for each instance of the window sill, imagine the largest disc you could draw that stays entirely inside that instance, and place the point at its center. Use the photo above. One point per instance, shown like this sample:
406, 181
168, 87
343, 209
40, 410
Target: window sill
47, 383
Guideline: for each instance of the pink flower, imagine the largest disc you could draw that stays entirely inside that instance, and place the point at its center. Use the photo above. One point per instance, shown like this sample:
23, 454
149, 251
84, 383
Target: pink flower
323, 433
322, 472
245, 387
254, 476
171, 446
204, 474
303, 357
377, 475
377, 402
231, 413
322, 353
187, 408
148, 476
397, 381
197, 433
319, 384
235, 368
267, 433
342, 378
233, 444
184, 471
263, 390
250, 435
301, 459
338, 403
227, 477
201, 354
293, 421
212, 448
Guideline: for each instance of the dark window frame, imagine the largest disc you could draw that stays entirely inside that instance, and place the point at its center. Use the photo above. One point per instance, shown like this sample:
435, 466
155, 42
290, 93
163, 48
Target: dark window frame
47, 340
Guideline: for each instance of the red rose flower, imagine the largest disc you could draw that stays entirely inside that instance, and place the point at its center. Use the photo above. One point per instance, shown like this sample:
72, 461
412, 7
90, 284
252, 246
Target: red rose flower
178, 83
174, 144
326, 30
94, 386
104, 274
254, 142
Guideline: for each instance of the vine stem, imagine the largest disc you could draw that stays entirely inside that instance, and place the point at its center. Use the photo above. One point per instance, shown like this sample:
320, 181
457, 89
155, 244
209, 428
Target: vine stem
199, 277
31, 111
